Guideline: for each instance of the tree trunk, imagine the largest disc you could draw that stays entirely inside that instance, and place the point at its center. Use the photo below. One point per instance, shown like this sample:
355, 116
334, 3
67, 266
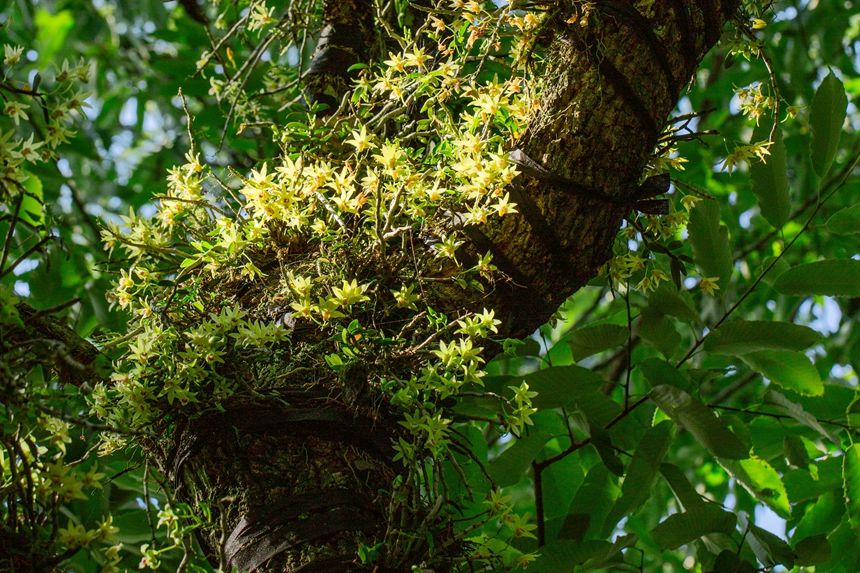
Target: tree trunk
297, 482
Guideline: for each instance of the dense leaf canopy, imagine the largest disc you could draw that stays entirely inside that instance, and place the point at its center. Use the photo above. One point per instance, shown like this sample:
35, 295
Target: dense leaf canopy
297, 224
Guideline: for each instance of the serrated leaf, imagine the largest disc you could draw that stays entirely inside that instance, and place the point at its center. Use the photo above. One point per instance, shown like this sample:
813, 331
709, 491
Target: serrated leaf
744, 336
641, 472
770, 179
834, 277
682, 528
595, 338
762, 481
710, 241
845, 221
790, 369
851, 483
826, 118
700, 421
572, 386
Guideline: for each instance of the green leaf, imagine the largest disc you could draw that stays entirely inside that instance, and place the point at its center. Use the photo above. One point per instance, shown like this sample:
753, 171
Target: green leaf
785, 406
762, 481
790, 369
51, 32
851, 483
603, 444
592, 502
641, 472
657, 371
681, 486
700, 421
770, 179
769, 549
833, 277
572, 385
513, 463
821, 517
743, 336
813, 550
562, 556
659, 331
826, 119
710, 241
845, 221
33, 202
666, 299
795, 451
682, 528
595, 338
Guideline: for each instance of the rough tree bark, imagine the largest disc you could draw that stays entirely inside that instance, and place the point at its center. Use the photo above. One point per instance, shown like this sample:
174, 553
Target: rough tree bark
298, 482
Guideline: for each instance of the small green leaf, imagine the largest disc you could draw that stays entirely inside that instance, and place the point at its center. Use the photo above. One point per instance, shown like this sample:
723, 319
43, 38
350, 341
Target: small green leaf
834, 277
682, 528
51, 33
790, 369
33, 202
744, 336
699, 420
762, 481
851, 483
710, 241
828, 113
770, 179
845, 221
595, 338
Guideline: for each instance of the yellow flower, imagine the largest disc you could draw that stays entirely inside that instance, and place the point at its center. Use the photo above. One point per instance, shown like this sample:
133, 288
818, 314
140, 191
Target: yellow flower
709, 285
361, 140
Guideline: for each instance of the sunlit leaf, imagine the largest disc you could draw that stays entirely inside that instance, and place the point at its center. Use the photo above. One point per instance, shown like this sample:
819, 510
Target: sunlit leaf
851, 482
762, 481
